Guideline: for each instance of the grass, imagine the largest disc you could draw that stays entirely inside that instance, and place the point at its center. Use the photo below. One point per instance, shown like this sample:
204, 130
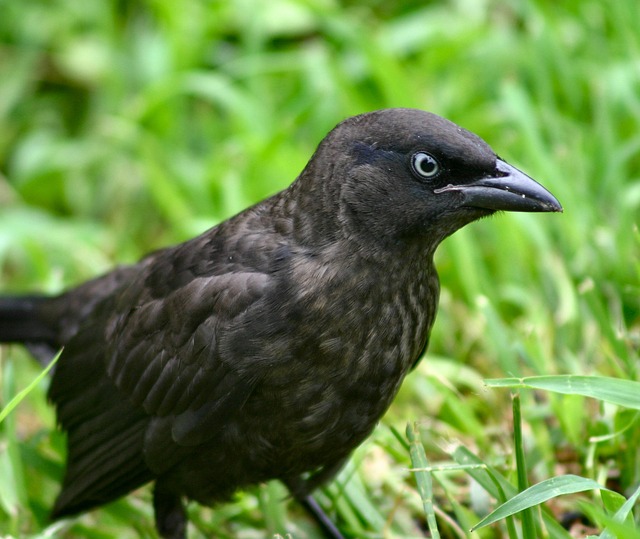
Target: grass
126, 127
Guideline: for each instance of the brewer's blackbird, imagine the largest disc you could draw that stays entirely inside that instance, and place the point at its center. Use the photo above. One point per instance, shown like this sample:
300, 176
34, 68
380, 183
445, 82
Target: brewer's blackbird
269, 346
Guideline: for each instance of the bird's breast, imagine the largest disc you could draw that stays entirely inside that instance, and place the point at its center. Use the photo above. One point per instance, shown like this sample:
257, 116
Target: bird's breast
351, 340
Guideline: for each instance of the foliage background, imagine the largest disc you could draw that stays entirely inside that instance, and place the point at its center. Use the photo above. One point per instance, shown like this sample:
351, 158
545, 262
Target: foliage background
127, 126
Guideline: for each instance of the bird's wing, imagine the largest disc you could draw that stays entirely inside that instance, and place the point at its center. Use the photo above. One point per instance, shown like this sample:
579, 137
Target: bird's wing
166, 353
145, 377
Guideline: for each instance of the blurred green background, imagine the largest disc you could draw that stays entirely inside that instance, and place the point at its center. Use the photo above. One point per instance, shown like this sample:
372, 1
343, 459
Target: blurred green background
127, 126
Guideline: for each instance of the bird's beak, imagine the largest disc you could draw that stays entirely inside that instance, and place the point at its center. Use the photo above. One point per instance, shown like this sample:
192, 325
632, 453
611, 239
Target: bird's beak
509, 190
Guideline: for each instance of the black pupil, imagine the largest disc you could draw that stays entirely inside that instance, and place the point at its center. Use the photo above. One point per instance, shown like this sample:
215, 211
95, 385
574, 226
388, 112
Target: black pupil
426, 164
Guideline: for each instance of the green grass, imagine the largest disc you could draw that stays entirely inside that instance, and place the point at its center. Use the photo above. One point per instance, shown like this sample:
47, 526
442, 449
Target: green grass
129, 126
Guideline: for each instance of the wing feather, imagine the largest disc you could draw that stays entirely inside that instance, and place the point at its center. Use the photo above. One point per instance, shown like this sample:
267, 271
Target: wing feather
180, 370
143, 380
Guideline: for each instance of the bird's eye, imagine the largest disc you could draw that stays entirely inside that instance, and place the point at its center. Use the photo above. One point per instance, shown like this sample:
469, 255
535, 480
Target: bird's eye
425, 165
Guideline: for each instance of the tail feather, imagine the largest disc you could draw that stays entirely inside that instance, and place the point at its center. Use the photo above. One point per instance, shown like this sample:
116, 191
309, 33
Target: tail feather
20, 321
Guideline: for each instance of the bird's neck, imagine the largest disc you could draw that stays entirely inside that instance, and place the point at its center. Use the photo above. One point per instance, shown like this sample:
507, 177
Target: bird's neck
316, 223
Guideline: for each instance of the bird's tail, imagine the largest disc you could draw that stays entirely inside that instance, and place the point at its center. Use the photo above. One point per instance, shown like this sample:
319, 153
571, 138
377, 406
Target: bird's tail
20, 321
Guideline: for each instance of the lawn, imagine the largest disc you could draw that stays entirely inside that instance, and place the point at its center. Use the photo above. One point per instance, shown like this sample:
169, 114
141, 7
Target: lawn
125, 127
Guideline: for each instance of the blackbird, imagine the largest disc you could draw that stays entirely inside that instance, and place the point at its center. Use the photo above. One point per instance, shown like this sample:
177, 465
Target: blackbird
269, 346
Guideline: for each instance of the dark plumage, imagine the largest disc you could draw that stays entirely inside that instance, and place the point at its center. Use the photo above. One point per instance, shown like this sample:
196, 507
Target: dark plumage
269, 346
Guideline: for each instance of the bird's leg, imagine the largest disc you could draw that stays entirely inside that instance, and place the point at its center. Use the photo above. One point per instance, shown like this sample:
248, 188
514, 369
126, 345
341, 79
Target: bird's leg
327, 525
171, 517
300, 487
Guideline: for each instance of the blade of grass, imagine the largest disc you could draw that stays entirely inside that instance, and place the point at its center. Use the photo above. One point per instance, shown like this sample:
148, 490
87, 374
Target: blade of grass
23, 393
607, 521
537, 494
622, 514
528, 521
614, 390
423, 478
499, 488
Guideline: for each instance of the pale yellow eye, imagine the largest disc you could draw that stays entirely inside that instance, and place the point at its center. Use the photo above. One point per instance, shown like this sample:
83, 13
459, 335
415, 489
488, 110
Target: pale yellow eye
425, 165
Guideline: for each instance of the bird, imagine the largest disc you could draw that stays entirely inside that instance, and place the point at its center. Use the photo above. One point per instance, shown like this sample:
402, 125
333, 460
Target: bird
269, 346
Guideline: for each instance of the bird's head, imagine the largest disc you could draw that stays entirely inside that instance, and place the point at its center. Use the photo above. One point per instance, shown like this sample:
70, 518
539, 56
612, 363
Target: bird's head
403, 174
